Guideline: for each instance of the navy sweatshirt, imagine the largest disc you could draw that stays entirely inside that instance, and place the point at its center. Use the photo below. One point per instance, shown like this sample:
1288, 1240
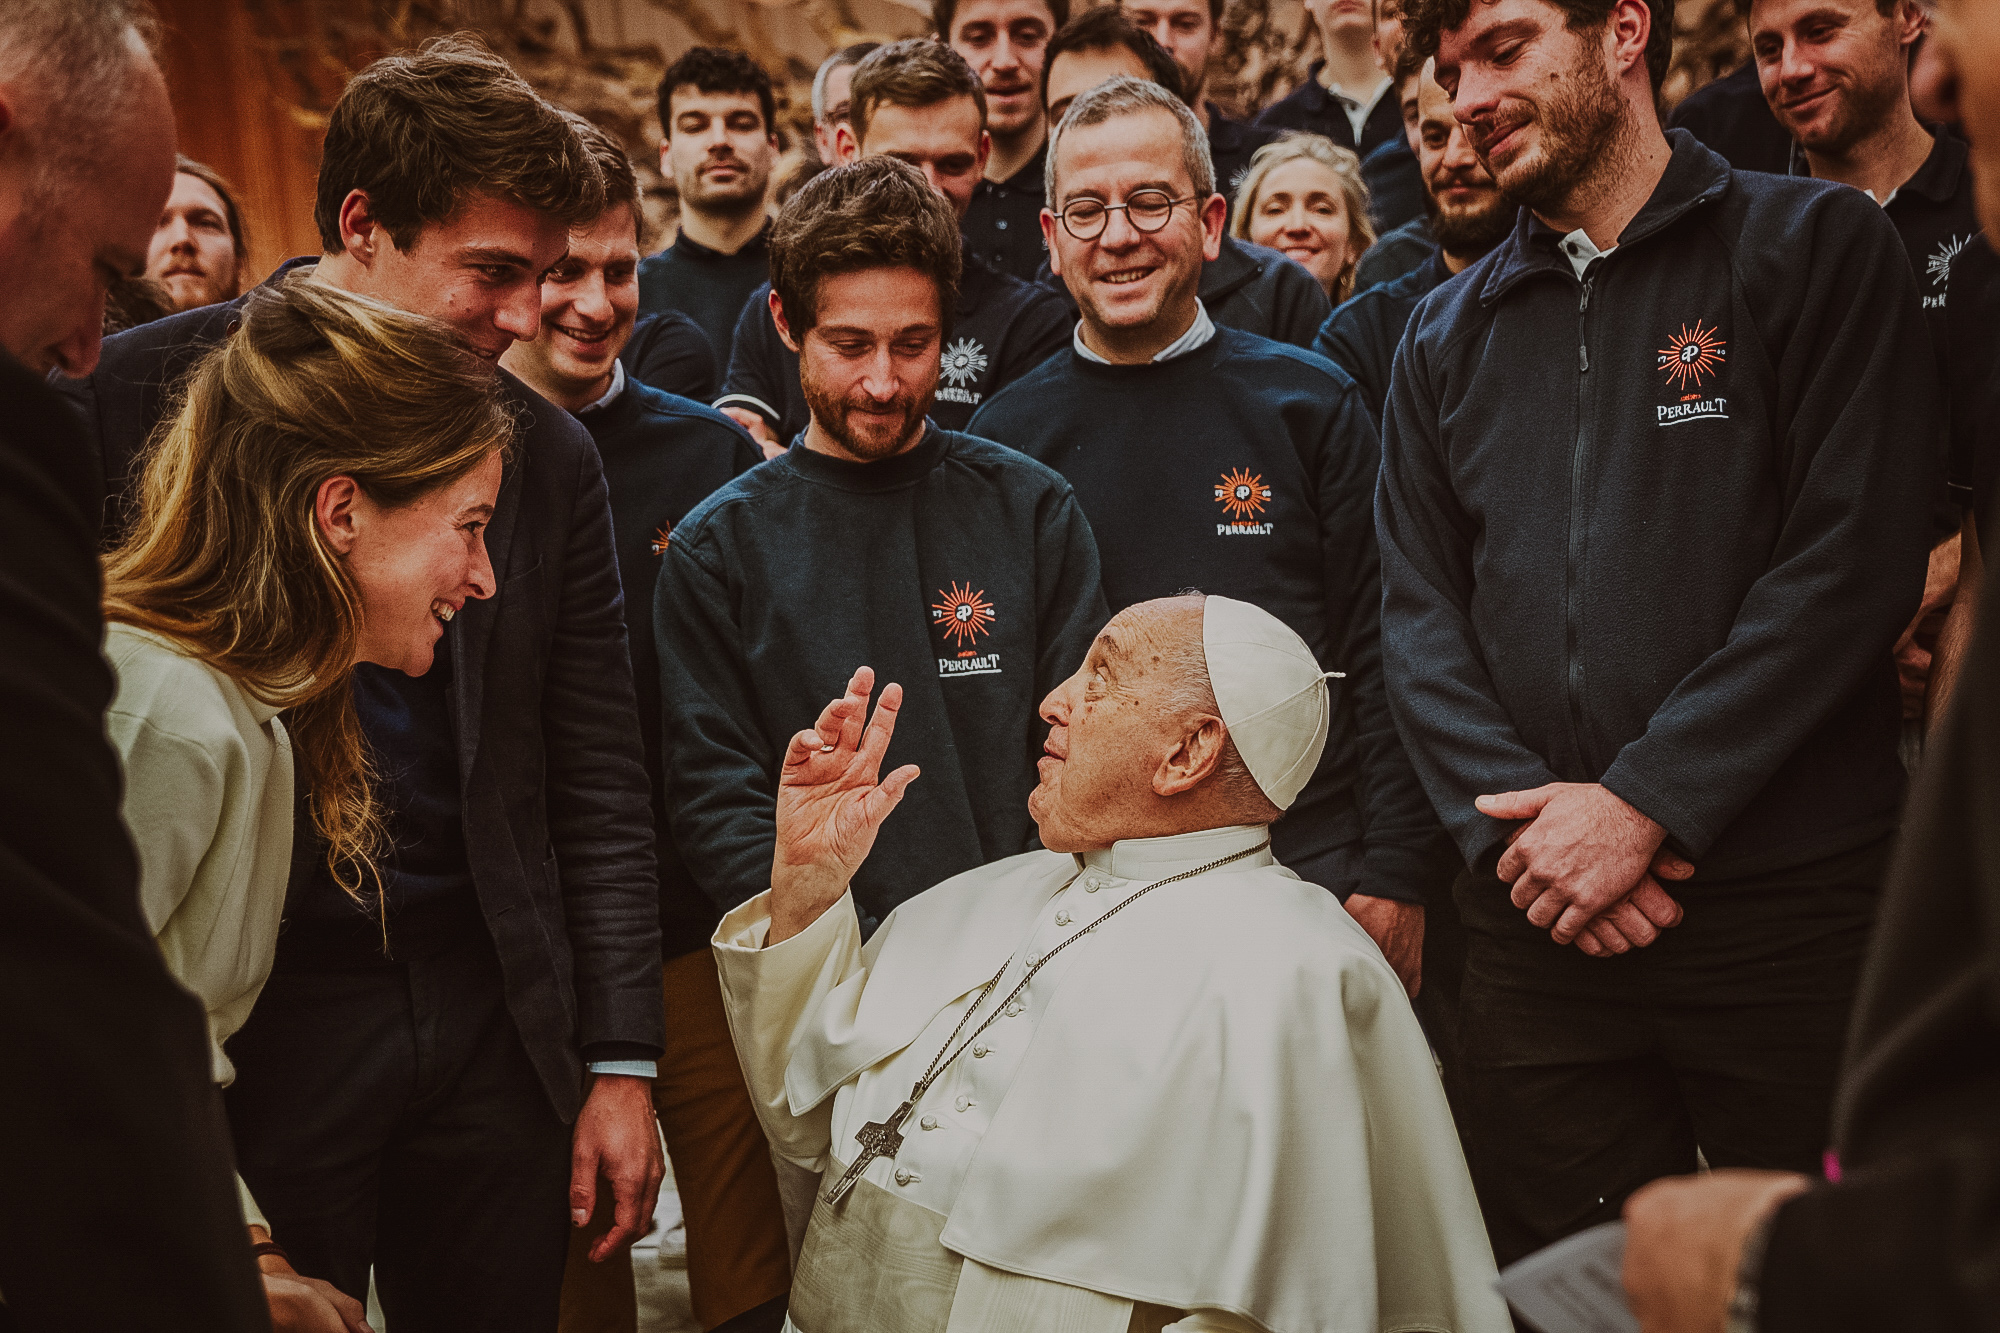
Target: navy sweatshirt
1730, 116
662, 456
959, 569
706, 285
1247, 468
1231, 144
1659, 527
1362, 335
1001, 329
669, 351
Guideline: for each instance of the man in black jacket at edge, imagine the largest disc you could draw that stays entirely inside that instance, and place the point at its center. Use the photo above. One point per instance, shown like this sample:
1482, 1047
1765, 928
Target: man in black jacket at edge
1211, 458
1903, 1242
412, 1111
109, 1108
1468, 216
1650, 526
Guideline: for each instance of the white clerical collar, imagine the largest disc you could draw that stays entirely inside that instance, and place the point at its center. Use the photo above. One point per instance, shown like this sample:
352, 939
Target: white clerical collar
1579, 249
1198, 333
1156, 858
1357, 110
610, 394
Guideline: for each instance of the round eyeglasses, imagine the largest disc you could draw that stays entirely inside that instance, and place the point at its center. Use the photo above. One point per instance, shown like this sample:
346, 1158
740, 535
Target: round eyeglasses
1146, 210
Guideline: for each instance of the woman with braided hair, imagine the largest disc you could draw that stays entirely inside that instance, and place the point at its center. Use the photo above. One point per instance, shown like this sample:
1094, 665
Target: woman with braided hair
319, 500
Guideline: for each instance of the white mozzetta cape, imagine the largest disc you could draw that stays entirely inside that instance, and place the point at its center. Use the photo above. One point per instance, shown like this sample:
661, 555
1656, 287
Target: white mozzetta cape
1224, 1101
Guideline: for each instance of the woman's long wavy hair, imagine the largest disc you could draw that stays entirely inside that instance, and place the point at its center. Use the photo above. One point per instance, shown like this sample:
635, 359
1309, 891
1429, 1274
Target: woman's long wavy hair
227, 558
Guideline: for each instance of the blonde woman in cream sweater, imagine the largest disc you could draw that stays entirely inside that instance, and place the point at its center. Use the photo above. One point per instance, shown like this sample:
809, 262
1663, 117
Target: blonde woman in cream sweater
320, 500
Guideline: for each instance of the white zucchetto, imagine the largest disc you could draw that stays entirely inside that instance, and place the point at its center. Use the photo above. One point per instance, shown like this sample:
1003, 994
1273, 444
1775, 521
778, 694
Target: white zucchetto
1270, 691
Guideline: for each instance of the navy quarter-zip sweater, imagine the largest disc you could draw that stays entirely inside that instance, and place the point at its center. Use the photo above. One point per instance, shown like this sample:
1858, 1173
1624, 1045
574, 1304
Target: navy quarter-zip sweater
662, 455
1247, 468
1659, 527
1361, 336
961, 570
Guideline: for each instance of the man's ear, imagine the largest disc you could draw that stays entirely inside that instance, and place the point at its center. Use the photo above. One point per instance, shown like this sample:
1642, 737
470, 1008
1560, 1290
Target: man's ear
334, 511
666, 146
1193, 760
1049, 225
1214, 215
782, 324
986, 147
846, 148
361, 236
1631, 26
1911, 22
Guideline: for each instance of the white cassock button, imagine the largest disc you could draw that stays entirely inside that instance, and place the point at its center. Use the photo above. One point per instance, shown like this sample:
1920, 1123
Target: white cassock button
905, 1176
929, 1122
979, 1052
965, 1103
1062, 918
1013, 1009
1091, 886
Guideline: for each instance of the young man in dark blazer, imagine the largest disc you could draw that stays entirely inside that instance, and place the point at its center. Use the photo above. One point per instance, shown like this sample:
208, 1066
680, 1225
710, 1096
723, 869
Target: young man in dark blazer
406, 1086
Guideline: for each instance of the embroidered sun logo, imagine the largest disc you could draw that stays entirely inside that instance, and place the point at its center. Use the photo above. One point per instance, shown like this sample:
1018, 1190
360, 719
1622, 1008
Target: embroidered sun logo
965, 614
1243, 493
963, 362
1692, 354
661, 536
1939, 267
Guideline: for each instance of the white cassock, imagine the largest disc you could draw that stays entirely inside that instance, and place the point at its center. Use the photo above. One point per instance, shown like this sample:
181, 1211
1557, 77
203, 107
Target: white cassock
1216, 1113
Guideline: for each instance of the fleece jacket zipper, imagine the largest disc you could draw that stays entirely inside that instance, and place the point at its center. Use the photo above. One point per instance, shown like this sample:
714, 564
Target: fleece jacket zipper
1573, 570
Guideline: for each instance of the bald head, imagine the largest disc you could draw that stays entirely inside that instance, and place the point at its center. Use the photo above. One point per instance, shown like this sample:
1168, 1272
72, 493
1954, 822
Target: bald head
86, 163
1137, 747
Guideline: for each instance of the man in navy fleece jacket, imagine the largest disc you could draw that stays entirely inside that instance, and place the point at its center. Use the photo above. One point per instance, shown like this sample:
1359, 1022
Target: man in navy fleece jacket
1651, 520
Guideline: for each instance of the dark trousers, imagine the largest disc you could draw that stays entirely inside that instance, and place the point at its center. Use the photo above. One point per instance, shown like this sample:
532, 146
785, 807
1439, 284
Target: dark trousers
386, 1114
1585, 1078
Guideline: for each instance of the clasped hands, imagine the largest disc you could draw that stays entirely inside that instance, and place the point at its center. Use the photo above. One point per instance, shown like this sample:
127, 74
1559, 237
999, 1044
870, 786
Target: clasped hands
1586, 866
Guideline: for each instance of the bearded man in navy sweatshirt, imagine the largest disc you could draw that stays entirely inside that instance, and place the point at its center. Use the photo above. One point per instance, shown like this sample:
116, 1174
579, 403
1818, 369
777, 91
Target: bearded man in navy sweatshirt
1651, 523
1209, 457
960, 570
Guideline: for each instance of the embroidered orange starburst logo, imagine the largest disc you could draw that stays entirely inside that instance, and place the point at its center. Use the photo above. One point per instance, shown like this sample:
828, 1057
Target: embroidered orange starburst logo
661, 536
1692, 354
1243, 493
965, 614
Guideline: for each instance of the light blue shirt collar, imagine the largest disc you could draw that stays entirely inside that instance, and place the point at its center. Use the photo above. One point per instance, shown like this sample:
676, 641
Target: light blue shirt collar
1197, 335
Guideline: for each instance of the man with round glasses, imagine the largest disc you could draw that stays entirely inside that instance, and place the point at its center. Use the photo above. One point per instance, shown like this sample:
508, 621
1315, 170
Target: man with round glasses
1209, 457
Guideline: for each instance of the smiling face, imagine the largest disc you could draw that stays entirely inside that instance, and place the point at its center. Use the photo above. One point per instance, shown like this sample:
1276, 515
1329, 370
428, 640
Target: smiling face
1468, 214
942, 140
1536, 99
193, 255
1833, 70
721, 153
1301, 210
1132, 288
1003, 41
589, 303
480, 270
869, 367
1186, 30
416, 565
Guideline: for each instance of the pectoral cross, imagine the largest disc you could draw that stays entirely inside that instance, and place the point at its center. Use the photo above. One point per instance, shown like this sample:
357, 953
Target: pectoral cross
878, 1138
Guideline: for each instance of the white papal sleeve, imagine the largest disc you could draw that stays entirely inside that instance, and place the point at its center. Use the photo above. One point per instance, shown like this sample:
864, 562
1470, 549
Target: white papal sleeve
771, 996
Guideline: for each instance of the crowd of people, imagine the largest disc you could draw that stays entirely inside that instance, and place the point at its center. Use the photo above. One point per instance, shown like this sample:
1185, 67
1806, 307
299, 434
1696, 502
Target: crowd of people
1462, 600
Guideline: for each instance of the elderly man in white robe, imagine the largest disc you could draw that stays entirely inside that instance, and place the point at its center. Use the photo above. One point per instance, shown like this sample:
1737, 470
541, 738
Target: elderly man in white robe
1145, 1079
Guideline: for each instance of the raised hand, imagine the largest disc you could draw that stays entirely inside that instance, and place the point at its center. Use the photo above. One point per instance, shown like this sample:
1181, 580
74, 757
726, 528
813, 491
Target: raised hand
830, 804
